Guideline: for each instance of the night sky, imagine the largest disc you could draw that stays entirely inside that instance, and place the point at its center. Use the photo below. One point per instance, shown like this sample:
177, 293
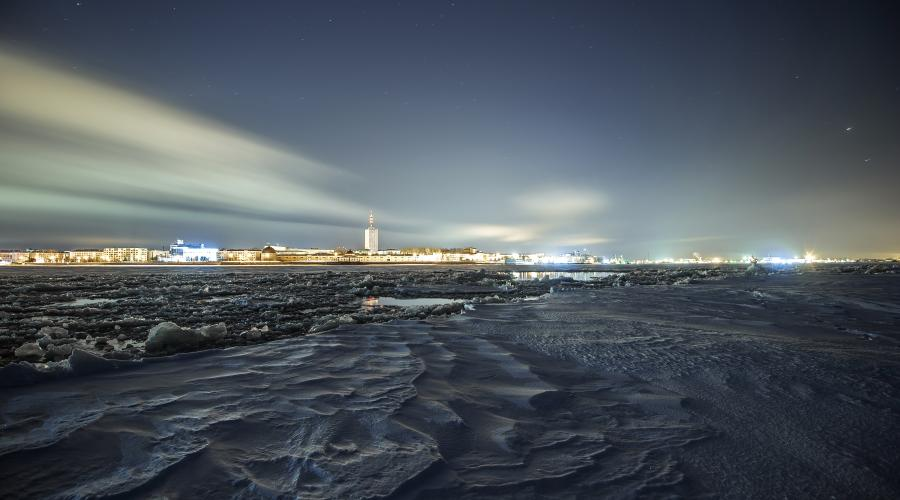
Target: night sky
649, 129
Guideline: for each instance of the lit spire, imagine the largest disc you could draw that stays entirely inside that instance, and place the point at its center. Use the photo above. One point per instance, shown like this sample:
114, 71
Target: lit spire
371, 219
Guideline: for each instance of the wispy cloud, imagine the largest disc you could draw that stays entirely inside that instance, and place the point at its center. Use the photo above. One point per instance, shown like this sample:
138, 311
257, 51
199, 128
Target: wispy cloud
72, 145
550, 218
558, 202
580, 241
695, 239
488, 232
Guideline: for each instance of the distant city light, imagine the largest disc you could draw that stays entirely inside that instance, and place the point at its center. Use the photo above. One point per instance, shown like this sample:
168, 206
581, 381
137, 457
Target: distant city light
194, 253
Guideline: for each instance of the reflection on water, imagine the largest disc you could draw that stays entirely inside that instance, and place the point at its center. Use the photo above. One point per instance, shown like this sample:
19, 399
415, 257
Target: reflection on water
392, 301
552, 275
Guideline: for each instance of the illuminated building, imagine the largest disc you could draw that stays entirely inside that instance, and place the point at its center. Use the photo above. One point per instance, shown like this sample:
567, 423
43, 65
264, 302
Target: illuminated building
342, 256
269, 253
14, 256
283, 254
191, 252
84, 255
372, 235
125, 254
240, 255
46, 256
154, 255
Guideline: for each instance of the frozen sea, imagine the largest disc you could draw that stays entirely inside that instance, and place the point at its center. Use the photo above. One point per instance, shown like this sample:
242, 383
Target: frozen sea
779, 386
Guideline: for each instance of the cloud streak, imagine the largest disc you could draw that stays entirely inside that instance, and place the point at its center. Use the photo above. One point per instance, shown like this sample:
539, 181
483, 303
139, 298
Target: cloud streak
105, 151
559, 201
551, 218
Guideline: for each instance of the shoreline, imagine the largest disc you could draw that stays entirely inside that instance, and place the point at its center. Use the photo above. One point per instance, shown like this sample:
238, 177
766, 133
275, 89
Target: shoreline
536, 267
250, 264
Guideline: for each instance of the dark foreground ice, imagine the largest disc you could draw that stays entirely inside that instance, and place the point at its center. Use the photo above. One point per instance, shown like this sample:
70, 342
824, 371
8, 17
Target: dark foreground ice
130, 313
783, 386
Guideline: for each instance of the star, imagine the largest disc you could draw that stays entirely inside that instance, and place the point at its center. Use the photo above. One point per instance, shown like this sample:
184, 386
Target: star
848, 129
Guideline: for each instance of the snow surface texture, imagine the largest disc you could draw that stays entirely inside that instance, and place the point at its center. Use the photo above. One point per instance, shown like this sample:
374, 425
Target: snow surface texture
780, 386
111, 312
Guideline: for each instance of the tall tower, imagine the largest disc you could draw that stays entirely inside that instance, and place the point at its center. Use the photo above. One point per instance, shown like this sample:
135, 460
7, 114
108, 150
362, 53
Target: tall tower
372, 234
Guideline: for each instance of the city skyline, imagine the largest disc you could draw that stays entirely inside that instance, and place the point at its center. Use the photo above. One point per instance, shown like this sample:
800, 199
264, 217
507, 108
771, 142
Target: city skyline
571, 129
371, 246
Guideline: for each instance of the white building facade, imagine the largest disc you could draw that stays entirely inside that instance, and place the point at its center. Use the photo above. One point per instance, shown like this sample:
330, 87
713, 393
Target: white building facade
371, 235
84, 255
125, 255
191, 252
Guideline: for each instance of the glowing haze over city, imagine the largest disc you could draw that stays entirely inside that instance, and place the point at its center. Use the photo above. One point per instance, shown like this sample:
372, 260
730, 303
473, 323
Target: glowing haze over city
644, 129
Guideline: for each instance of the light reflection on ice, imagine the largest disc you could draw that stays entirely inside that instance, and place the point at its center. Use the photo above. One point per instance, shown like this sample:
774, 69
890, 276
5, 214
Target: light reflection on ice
552, 275
83, 302
393, 301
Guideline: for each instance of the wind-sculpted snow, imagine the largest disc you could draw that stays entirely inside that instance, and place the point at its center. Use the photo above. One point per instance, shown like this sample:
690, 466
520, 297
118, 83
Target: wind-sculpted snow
250, 418
407, 408
784, 385
798, 376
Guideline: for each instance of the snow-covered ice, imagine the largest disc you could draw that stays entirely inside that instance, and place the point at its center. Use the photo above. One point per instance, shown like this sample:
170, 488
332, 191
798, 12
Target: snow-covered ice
111, 311
785, 384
